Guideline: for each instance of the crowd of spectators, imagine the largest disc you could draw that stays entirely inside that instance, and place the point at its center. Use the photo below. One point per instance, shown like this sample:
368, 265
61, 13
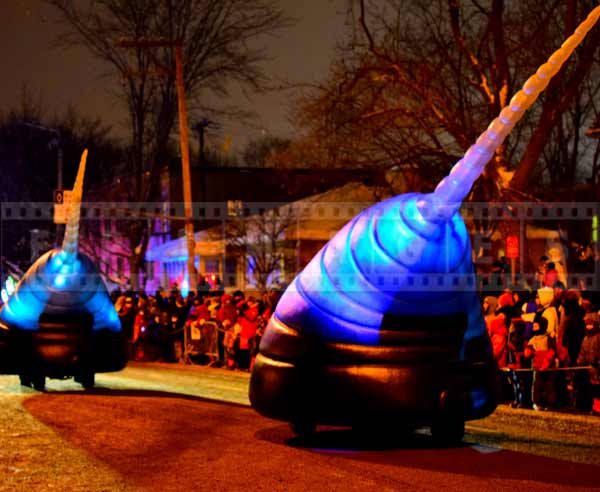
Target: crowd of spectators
207, 326
545, 338
547, 342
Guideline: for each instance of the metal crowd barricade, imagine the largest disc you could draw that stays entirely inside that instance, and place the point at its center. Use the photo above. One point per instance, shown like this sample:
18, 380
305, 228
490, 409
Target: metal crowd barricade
209, 333
570, 377
201, 339
193, 340
557, 369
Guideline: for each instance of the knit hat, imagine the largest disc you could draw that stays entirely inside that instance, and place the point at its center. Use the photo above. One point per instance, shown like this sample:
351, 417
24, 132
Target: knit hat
546, 295
505, 300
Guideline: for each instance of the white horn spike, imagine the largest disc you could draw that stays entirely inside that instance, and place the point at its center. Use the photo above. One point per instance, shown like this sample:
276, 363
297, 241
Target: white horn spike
452, 190
71, 239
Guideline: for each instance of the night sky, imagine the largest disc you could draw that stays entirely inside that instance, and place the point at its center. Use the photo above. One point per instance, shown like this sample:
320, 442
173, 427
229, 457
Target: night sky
63, 77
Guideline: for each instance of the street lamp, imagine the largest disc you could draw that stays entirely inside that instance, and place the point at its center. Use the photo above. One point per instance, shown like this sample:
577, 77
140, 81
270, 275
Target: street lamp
55, 142
201, 127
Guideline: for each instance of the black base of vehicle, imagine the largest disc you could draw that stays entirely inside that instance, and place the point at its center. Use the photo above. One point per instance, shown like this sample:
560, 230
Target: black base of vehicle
64, 346
308, 382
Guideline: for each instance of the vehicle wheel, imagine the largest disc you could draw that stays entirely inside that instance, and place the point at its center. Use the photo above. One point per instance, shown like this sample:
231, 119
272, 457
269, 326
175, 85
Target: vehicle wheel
303, 428
87, 380
25, 380
39, 381
448, 430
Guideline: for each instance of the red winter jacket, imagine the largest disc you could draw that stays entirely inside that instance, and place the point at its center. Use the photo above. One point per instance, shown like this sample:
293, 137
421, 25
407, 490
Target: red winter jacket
249, 323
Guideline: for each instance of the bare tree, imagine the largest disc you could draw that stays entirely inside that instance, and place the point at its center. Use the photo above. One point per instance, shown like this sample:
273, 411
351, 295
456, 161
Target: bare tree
93, 243
264, 239
221, 46
33, 147
417, 81
259, 152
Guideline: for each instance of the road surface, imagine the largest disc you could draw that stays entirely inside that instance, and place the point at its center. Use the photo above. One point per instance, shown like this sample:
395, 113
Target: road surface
160, 427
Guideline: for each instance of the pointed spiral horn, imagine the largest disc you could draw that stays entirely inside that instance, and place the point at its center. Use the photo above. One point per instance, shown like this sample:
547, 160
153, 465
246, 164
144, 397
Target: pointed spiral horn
452, 190
71, 240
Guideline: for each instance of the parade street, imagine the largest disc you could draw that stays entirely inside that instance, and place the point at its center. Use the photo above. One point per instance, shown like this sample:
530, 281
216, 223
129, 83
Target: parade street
161, 427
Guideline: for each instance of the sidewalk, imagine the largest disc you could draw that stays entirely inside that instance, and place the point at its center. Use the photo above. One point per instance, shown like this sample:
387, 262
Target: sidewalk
185, 379
557, 434
503, 410
550, 415
193, 368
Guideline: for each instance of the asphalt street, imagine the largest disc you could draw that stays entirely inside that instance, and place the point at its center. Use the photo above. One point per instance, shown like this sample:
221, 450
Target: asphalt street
168, 427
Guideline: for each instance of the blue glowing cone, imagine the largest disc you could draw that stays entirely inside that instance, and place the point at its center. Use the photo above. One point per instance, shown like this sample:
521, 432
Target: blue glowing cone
61, 308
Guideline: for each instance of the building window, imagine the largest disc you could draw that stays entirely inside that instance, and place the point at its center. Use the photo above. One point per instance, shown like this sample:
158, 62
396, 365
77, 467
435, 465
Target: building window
230, 272
106, 228
211, 266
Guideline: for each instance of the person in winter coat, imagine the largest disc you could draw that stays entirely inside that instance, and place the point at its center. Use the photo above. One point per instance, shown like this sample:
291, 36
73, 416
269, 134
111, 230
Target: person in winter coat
498, 333
142, 320
498, 328
571, 328
506, 299
520, 380
549, 310
248, 321
589, 354
231, 341
179, 317
542, 349
127, 313
568, 340
227, 314
261, 325
226, 317
550, 275
200, 310
490, 303
587, 387
528, 309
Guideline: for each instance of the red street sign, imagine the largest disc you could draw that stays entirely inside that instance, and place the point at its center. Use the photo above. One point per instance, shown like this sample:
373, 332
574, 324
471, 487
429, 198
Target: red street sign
512, 247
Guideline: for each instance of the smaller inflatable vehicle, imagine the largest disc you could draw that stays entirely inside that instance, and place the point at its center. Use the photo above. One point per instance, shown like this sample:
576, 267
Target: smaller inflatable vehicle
60, 321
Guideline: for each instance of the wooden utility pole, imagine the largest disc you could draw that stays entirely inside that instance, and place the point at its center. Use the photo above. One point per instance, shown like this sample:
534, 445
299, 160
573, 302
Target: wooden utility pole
183, 141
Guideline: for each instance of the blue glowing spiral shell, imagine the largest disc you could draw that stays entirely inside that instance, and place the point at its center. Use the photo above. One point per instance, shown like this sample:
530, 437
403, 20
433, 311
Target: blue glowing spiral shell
388, 260
410, 254
54, 286
63, 281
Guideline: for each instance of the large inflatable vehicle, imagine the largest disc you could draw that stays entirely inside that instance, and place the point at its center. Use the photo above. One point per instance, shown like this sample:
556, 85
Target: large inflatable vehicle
384, 325
60, 321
